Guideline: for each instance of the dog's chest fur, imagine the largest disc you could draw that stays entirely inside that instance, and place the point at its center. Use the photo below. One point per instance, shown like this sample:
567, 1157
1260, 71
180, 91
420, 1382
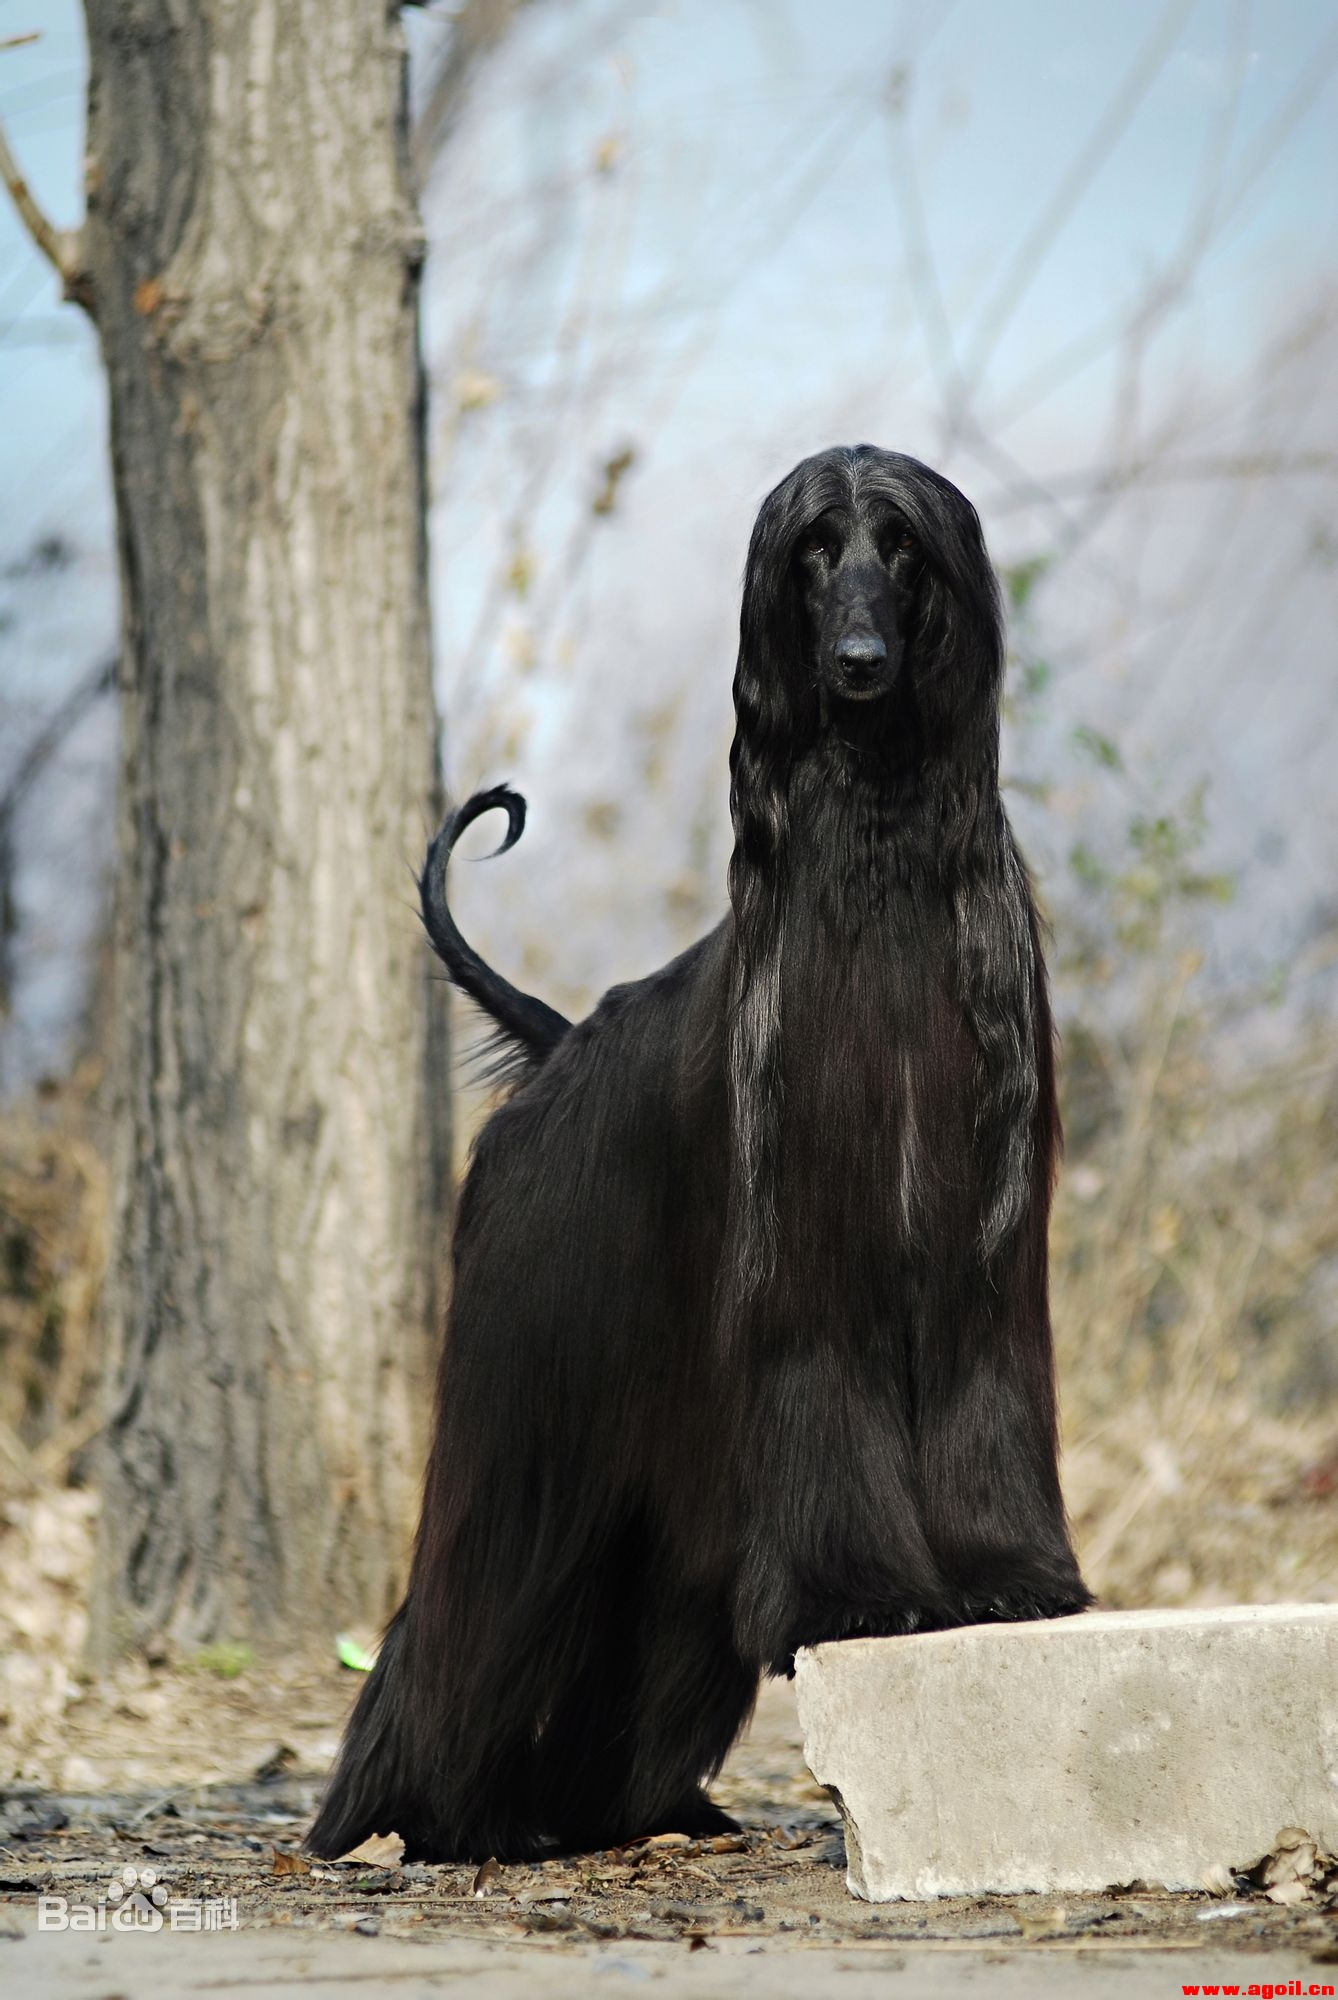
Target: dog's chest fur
878, 1060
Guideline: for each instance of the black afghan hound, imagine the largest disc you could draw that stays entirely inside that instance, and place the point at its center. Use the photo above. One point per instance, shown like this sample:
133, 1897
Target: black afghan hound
749, 1345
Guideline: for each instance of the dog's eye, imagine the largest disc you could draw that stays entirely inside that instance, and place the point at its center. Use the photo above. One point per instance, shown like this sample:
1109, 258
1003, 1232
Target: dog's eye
813, 545
903, 542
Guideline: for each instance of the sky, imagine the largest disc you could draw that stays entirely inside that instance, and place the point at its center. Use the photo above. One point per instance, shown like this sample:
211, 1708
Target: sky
723, 233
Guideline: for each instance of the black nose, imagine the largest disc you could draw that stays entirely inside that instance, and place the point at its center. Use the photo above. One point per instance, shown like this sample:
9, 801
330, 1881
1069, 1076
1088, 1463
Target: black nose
860, 654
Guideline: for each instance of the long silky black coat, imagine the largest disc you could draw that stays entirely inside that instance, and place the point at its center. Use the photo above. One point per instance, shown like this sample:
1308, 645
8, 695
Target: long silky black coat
749, 1345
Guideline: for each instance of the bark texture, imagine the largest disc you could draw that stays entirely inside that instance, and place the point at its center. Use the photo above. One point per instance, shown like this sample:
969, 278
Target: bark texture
253, 255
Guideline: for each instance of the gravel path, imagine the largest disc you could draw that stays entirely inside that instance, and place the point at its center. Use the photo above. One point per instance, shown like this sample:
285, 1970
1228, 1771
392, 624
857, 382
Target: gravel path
767, 1914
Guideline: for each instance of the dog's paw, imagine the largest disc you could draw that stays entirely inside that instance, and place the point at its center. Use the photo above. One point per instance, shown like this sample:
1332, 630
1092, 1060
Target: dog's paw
1020, 1604
882, 1621
695, 1814
1015, 1586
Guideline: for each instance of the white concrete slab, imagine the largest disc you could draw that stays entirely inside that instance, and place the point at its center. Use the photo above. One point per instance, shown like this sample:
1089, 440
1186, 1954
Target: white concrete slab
1076, 1753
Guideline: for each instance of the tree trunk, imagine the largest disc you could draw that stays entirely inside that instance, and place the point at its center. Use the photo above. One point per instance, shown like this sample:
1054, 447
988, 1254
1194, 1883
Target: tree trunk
253, 257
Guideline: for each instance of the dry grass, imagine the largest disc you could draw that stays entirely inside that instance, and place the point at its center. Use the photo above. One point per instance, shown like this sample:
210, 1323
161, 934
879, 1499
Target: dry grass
53, 1246
53, 1236
1195, 1260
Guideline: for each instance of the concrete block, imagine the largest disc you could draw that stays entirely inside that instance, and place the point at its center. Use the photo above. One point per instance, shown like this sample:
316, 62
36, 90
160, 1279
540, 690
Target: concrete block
1076, 1753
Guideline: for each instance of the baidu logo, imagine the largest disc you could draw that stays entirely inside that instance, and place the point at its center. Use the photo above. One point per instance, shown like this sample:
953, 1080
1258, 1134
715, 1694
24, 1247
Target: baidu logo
138, 1897
135, 1900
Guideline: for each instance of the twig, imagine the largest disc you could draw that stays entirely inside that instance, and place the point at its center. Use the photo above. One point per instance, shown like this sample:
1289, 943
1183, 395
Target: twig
14, 1449
478, 28
51, 1459
62, 248
1036, 244
1097, 1553
1208, 469
30, 766
90, 687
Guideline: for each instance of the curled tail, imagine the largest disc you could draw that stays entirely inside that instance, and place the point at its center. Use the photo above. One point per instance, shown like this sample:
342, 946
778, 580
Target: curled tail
527, 1029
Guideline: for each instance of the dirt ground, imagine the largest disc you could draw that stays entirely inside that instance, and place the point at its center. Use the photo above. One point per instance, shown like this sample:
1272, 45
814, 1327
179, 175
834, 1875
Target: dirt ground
206, 1784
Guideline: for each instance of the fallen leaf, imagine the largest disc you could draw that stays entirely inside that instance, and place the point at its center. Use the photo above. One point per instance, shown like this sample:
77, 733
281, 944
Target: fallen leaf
290, 1864
282, 1758
488, 1877
382, 1850
1042, 1923
559, 1919
1287, 1873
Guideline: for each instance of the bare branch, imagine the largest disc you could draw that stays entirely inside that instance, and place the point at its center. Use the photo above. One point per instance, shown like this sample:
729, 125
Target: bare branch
62, 248
477, 29
1039, 239
30, 767
1215, 209
1209, 469
99, 680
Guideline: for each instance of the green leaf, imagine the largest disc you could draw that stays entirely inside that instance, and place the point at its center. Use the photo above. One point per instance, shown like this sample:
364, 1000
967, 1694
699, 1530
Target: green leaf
1038, 789
1099, 748
1087, 868
1021, 578
1208, 888
353, 1655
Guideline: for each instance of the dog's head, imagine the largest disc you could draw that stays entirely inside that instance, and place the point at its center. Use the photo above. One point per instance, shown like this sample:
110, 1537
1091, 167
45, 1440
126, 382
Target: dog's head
867, 578
857, 565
